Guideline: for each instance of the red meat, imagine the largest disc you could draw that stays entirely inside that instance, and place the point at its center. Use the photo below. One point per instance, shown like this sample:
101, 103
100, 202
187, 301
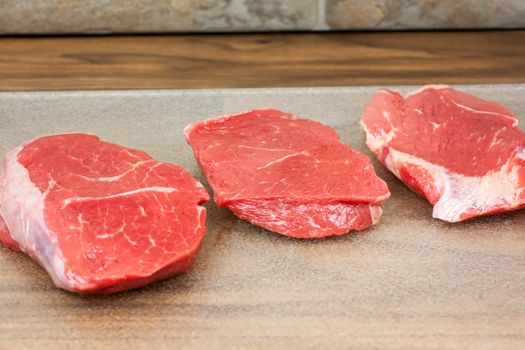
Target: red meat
464, 154
97, 216
288, 175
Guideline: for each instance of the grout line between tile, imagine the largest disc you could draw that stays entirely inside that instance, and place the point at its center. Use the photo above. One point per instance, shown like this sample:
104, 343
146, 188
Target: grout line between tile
321, 16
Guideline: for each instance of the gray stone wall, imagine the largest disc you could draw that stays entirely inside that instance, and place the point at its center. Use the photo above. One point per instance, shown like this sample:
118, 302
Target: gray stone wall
110, 16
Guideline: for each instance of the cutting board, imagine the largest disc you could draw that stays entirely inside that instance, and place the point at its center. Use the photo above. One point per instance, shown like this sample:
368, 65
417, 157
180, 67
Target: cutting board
410, 282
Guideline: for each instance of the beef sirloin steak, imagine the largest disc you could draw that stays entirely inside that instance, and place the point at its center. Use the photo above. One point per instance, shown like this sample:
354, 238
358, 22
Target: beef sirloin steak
97, 216
288, 175
464, 154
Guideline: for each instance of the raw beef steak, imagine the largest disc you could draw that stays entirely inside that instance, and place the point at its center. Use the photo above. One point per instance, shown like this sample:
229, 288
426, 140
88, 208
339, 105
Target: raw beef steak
97, 216
464, 154
288, 175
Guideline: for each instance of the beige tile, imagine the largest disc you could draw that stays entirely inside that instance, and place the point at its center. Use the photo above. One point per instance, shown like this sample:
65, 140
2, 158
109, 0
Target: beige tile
87, 16
79, 16
392, 14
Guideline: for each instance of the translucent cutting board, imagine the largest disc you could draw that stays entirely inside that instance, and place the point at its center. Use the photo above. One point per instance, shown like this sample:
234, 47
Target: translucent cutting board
410, 282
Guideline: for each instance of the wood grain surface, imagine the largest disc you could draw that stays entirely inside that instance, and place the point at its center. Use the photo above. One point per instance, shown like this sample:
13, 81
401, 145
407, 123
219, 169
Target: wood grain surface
223, 61
410, 282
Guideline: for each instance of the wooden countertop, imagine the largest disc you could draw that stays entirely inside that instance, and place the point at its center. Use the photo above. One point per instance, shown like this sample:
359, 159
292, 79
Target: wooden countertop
261, 60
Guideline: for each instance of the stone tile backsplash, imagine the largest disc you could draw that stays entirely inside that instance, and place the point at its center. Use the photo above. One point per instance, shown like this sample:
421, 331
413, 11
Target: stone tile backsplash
408, 14
107, 16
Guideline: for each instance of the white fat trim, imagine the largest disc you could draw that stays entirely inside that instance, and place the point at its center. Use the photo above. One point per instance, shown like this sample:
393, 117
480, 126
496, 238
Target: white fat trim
200, 211
375, 213
265, 149
462, 193
122, 194
462, 106
375, 142
189, 128
283, 159
22, 207
313, 223
116, 177
427, 87
470, 109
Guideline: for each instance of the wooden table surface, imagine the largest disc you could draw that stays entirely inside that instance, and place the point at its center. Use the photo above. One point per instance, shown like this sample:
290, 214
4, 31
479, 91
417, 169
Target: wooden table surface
223, 61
